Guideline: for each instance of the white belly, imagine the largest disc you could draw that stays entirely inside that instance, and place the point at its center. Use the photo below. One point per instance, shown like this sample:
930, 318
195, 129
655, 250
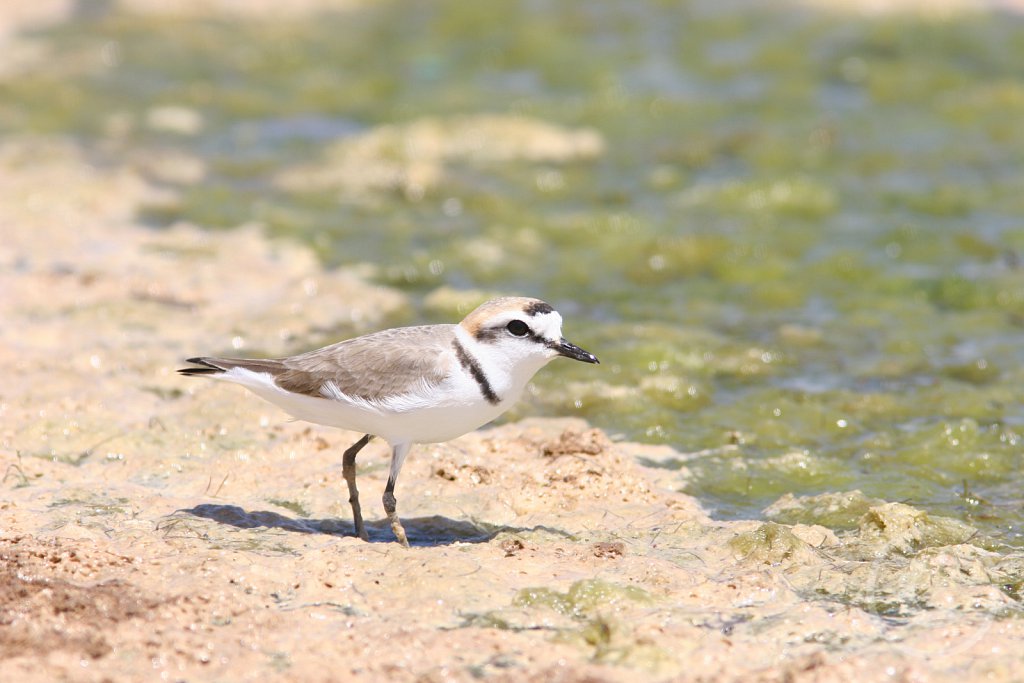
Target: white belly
448, 411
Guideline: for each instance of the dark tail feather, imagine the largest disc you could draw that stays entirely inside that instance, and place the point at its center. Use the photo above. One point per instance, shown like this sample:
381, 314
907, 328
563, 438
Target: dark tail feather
209, 369
217, 366
199, 371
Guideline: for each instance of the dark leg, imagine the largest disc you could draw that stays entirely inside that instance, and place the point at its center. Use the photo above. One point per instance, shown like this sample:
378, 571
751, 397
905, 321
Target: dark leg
398, 454
348, 470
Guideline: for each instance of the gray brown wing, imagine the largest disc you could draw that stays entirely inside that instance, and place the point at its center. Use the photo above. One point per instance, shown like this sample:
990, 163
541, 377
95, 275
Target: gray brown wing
375, 366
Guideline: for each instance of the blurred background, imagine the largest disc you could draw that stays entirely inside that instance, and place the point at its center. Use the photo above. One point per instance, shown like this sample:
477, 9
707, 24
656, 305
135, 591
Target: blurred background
792, 232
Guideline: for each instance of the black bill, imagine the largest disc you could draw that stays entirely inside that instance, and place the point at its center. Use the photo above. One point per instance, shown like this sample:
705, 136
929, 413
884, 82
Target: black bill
570, 350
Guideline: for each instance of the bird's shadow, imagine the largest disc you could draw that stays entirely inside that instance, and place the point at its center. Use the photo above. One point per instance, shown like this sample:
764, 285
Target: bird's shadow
421, 531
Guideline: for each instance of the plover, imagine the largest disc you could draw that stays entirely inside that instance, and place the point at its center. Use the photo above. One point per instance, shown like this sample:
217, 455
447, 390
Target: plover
407, 385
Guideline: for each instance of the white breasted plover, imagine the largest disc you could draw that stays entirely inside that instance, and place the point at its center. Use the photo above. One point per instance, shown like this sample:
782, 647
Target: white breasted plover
409, 385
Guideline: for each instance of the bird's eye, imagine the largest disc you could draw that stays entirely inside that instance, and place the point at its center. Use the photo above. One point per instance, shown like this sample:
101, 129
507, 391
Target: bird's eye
518, 328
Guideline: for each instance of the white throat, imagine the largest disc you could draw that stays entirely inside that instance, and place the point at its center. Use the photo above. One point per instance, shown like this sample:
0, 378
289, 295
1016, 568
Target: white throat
506, 374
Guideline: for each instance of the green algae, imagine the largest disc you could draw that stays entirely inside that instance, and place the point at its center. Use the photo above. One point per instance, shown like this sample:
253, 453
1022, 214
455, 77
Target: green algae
583, 598
592, 606
770, 544
833, 510
291, 505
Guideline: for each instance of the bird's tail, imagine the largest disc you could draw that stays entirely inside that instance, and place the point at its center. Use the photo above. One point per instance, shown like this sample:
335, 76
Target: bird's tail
218, 366
211, 366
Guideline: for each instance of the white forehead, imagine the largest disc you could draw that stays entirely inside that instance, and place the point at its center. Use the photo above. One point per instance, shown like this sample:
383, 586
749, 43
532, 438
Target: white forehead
543, 320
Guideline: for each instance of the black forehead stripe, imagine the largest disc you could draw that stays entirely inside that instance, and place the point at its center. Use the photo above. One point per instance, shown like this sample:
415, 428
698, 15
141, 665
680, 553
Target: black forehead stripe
473, 368
538, 307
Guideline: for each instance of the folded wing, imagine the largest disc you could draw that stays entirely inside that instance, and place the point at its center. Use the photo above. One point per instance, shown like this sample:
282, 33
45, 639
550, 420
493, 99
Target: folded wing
372, 368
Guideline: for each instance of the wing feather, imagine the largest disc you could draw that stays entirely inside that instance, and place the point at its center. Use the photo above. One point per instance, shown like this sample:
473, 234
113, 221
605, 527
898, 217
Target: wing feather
375, 366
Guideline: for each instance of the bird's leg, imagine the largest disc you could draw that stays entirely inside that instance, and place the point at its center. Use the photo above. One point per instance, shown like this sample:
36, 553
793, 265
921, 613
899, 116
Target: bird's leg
398, 453
348, 470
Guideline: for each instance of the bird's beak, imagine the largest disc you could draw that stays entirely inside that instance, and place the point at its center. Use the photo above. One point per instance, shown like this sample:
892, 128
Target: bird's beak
570, 350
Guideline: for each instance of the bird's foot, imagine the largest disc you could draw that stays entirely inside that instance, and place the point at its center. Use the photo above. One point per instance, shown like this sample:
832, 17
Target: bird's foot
361, 529
398, 530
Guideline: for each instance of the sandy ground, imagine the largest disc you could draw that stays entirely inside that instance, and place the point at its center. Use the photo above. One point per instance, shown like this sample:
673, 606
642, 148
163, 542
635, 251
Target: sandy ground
154, 527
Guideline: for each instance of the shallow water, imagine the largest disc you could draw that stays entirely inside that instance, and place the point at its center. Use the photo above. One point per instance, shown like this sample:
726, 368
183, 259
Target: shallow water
799, 252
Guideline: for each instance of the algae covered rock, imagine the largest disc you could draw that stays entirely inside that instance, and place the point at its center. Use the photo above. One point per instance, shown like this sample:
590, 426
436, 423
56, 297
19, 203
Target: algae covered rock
772, 544
895, 527
836, 510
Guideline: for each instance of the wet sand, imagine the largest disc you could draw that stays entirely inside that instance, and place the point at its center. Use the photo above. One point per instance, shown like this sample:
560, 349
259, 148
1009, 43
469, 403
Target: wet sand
154, 527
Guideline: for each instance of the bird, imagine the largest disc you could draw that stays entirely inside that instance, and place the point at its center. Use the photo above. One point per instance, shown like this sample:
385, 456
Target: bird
408, 385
